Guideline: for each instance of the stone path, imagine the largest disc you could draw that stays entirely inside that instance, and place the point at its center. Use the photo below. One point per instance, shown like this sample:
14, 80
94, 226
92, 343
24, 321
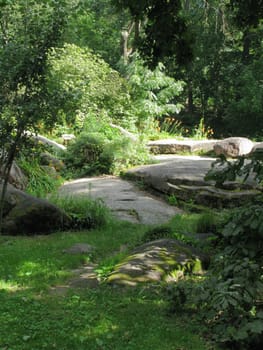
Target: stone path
125, 199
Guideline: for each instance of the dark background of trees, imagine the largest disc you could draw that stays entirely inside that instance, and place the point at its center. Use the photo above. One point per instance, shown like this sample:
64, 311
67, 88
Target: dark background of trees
214, 46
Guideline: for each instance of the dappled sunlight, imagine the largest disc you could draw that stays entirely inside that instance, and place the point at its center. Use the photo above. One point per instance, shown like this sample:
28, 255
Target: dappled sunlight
39, 274
9, 286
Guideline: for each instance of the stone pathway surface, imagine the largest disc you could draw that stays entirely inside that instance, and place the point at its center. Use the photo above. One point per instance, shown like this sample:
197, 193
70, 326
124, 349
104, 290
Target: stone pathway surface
125, 199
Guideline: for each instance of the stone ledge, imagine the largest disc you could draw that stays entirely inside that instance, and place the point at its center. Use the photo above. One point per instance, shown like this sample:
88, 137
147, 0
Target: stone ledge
173, 146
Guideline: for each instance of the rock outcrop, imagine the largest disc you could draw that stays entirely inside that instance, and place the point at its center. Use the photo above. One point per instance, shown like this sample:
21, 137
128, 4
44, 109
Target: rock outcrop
184, 177
26, 215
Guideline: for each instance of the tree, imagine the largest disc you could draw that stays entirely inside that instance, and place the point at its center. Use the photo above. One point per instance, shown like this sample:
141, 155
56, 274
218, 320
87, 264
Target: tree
28, 29
163, 36
81, 84
96, 25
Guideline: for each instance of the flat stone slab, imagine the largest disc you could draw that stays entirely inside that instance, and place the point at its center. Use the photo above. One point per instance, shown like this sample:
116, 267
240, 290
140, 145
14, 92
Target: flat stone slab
184, 177
175, 169
124, 199
174, 146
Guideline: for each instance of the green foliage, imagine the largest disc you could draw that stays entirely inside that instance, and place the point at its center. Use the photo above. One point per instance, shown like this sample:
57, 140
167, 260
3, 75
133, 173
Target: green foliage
98, 27
171, 44
80, 84
85, 213
247, 102
152, 94
93, 153
231, 296
41, 180
235, 287
84, 155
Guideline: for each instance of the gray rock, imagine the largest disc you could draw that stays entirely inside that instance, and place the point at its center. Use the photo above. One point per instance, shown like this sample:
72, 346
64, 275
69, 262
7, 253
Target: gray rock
184, 177
27, 215
48, 159
174, 146
160, 260
125, 200
85, 277
16, 177
233, 147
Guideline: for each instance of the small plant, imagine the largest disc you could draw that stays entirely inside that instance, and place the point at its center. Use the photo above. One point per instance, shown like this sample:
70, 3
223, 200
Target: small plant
107, 265
86, 213
172, 126
201, 131
41, 181
207, 222
172, 200
235, 286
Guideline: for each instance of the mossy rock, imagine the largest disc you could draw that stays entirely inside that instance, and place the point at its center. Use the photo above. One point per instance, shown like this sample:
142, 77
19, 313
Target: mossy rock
162, 260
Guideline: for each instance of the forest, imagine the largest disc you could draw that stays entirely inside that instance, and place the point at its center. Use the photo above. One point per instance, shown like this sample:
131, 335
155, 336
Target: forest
85, 85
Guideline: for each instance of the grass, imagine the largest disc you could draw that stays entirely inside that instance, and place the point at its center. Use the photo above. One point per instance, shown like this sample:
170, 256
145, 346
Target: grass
103, 318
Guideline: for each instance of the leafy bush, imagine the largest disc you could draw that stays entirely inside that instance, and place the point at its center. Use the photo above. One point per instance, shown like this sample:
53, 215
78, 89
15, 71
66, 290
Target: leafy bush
152, 94
125, 153
93, 154
231, 297
83, 156
235, 285
80, 83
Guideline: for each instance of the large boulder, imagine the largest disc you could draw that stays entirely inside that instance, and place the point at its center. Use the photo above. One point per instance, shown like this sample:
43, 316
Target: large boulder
233, 147
24, 214
160, 260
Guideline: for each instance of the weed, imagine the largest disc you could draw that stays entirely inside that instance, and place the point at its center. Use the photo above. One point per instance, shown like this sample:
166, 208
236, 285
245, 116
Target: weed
41, 181
85, 212
172, 200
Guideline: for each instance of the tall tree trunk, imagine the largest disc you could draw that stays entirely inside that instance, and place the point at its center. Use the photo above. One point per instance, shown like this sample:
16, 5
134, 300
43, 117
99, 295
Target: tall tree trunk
246, 46
190, 99
125, 34
7, 164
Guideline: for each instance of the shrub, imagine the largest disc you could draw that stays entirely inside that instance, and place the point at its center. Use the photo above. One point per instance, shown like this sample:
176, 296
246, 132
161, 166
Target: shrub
231, 297
84, 156
94, 154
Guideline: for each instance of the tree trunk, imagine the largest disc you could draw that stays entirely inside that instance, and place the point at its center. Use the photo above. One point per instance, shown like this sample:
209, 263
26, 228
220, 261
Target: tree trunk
246, 46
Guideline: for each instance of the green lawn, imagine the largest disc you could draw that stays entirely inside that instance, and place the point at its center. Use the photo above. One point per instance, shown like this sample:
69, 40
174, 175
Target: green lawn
108, 317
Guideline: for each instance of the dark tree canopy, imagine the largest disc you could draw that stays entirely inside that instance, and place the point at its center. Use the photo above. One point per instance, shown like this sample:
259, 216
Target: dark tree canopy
247, 12
164, 35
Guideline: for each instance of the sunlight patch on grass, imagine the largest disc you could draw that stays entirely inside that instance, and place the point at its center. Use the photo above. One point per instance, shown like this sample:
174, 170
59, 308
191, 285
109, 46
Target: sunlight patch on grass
9, 286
